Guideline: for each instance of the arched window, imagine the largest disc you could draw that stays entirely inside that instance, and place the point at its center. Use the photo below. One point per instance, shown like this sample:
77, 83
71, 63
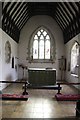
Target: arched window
74, 58
42, 46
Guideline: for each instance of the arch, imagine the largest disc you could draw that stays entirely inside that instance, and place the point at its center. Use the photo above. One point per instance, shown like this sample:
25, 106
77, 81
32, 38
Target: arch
74, 58
42, 33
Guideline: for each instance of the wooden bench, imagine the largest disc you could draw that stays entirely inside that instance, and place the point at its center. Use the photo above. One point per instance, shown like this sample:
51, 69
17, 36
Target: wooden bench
61, 97
65, 83
46, 87
22, 97
51, 87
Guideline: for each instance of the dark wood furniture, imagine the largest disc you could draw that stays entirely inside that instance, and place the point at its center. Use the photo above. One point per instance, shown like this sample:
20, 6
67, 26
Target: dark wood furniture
78, 108
42, 76
22, 97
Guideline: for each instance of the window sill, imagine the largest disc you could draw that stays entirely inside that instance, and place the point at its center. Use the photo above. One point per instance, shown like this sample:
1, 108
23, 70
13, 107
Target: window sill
75, 75
41, 61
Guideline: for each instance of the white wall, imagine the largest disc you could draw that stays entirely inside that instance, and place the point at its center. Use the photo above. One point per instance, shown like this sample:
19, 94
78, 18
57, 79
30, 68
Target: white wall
8, 73
79, 58
68, 46
0, 56
0, 71
32, 24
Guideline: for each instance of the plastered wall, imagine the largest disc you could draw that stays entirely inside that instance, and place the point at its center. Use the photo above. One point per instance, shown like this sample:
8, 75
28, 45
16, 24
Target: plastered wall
7, 72
25, 36
68, 46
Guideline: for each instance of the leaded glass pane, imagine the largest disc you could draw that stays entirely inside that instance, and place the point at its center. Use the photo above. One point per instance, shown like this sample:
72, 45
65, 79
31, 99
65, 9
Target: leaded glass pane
38, 33
35, 49
41, 37
41, 30
74, 58
41, 49
47, 49
41, 45
35, 37
47, 37
44, 33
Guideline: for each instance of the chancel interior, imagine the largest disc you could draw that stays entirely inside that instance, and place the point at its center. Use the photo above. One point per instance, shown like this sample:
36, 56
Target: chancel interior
39, 59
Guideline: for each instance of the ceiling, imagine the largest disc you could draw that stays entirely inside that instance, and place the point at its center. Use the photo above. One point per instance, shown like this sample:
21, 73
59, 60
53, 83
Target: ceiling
16, 14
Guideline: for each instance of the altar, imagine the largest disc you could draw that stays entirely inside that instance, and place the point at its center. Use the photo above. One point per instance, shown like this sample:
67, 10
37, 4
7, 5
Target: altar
42, 76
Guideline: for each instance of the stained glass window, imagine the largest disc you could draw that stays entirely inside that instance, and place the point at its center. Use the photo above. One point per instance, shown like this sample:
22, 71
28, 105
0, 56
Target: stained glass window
41, 45
35, 37
41, 37
74, 58
35, 49
47, 49
44, 33
39, 33
41, 49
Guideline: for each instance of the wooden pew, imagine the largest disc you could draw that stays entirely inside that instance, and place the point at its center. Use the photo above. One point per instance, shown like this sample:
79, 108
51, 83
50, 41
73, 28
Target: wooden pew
70, 97
22, 97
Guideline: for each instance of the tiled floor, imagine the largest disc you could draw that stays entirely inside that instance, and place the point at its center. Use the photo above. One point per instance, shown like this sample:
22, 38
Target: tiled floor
41, 104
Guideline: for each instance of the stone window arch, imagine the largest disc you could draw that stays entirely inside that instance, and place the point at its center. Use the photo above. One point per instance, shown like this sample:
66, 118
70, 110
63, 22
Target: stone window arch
42, 46
74, 58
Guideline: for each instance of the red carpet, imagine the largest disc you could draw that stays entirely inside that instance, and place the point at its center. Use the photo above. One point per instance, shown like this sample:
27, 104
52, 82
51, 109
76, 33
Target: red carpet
66, 97
13, 97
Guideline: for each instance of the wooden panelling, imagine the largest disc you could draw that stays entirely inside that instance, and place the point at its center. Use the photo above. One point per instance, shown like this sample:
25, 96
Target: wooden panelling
16, 14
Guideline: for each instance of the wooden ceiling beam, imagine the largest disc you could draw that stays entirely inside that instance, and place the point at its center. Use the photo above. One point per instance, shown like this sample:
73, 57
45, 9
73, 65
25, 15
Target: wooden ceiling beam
78, 5
7, 16
70, 27
22, 15
11, 29
22, 24
76, 12
68, 15
75, 19
21, 12
15, 15
60, 21
27, 13
69, 9
61, 16
5, 9
14, 3
25, 22
18, 10
8, 20
7, 24
22, 19
15, 8
60, 25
